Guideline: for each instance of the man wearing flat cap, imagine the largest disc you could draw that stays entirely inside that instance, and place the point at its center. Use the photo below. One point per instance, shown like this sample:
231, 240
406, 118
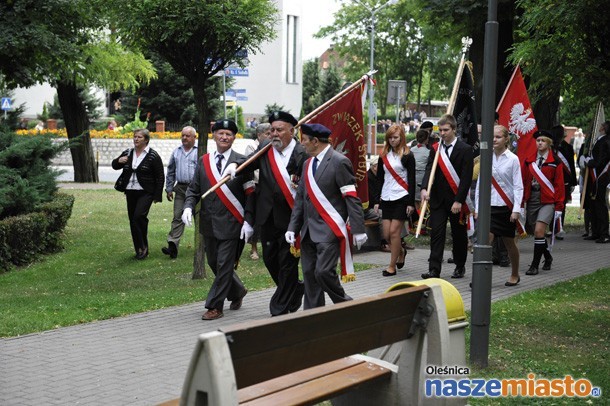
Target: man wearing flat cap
224, 216
279, 171
326, 200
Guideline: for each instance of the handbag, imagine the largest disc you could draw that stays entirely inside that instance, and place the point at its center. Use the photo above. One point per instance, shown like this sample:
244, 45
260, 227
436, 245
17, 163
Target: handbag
121, 182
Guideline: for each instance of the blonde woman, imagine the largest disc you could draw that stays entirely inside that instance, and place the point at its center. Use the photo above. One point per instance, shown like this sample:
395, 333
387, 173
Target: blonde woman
396, 172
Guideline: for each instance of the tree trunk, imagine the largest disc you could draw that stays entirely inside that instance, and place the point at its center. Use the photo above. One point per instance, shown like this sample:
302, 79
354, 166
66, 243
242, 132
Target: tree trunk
201, 103
77, 127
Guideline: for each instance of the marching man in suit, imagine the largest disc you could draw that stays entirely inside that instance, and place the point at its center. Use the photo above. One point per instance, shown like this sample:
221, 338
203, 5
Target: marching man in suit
450, 190
225, 218
279, 171
326, 198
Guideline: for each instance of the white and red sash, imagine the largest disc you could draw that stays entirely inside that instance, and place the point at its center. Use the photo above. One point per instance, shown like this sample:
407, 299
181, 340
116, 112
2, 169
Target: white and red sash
284, 182
397, 178
333, 220
565, 162
509, 203
454, 182
281, 177
224, 193
542, 179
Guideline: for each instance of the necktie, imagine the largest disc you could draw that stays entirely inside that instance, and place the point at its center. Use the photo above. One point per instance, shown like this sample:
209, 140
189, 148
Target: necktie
219, 162
540, 161
314, 166
447, 146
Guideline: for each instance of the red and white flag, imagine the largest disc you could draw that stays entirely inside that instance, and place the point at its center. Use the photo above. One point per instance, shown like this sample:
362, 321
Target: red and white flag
344, 119
515, 113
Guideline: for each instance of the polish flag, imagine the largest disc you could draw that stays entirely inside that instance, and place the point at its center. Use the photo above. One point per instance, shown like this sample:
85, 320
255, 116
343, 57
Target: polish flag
515, 113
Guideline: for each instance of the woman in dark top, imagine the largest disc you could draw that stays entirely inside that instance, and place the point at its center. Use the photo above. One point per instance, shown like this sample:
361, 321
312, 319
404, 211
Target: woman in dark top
142, 181
396, 171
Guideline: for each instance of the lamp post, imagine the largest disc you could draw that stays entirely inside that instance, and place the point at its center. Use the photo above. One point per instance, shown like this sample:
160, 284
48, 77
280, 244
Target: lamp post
372, 109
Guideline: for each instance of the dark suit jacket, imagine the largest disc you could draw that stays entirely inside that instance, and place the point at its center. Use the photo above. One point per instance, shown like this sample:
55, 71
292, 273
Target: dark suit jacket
215, 218
149, 173
569, 176
441, 194
333, 172
270, 200
601, 156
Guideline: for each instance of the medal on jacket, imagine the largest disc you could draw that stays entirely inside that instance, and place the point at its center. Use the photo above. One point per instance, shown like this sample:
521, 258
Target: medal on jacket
294, 181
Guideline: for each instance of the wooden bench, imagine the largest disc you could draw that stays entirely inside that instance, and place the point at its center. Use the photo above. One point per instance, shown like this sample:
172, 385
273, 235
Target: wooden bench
307, 357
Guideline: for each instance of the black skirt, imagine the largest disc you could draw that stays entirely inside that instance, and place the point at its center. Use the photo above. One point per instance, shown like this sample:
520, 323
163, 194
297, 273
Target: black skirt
394, 209
500, 224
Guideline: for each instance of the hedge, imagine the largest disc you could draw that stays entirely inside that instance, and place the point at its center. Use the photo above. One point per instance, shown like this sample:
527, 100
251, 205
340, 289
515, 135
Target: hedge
24, 237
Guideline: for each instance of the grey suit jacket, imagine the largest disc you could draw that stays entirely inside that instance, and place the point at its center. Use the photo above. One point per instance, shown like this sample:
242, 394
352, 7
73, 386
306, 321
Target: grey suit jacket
333, 172
215, 218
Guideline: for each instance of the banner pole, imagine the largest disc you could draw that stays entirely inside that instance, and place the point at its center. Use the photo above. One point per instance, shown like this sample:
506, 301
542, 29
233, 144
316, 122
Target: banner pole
308, 117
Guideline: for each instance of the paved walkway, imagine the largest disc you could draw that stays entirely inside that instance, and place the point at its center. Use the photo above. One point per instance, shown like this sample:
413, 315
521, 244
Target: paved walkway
142, 359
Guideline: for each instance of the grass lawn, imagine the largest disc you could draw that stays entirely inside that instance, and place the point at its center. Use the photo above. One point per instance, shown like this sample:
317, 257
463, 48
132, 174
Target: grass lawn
552, 332
96, 277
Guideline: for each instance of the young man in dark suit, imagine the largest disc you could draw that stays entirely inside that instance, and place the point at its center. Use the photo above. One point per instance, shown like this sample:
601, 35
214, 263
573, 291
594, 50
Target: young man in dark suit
224, 218
325, 199
447, 198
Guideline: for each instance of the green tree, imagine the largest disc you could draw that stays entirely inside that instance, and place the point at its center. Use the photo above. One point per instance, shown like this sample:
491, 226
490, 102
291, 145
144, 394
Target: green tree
66, 43
311, 85
198, 39
331, 84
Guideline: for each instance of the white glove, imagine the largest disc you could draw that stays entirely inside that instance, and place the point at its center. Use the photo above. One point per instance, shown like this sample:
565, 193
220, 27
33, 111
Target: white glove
230, 170
359, 240
187, 216
246, 231
290, 238
522, 213
581, 162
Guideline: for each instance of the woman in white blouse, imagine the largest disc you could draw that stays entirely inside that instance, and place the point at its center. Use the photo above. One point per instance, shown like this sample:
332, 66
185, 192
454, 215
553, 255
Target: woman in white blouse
506, 196
396, 173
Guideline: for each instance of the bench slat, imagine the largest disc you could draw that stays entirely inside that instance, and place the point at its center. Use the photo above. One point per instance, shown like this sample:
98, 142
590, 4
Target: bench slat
278, 384
324, 387
313, 337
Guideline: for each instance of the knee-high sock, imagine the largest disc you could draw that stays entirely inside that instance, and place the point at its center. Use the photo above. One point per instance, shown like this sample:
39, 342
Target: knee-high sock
539, 248
546, 252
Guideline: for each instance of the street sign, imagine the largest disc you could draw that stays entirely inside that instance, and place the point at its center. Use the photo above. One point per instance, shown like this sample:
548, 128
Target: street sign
236, 72
230, 92
241, 54
242, 98
237, 90
6, 103
396, 91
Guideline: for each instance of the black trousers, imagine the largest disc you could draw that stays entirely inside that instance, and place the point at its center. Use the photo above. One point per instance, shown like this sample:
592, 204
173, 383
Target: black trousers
438, 225
222, 256
599, 220
284, 270
138, 206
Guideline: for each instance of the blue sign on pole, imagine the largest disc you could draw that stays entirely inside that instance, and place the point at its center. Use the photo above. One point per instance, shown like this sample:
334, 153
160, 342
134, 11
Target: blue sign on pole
242, 53
237, 90
236, 72
230, 92
6, 103
242, 98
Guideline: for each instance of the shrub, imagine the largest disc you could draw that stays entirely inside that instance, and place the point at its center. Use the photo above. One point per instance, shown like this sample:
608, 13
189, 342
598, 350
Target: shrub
24, 237
26, 176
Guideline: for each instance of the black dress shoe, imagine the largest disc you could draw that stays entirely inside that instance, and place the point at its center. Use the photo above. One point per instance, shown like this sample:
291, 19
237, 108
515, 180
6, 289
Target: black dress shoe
585, 235
603, 240
401, 258
546, 266
236, 304
459, 272
171, 250
505, 263
513, 283
429, 275
386, 273
591, 238
532, 270
450, 260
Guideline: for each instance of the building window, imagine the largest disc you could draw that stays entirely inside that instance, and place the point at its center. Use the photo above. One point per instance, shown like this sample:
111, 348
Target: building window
291, 48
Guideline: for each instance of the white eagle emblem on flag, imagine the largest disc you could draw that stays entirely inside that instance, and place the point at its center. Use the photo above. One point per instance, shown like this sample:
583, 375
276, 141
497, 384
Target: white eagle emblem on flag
520, 121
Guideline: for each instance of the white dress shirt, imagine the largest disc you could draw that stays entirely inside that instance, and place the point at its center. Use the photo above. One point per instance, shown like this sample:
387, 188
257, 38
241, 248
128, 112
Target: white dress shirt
506, 169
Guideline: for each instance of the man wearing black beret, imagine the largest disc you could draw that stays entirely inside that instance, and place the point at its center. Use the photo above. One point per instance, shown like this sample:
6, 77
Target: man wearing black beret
325, 200
279, 171
224, 216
